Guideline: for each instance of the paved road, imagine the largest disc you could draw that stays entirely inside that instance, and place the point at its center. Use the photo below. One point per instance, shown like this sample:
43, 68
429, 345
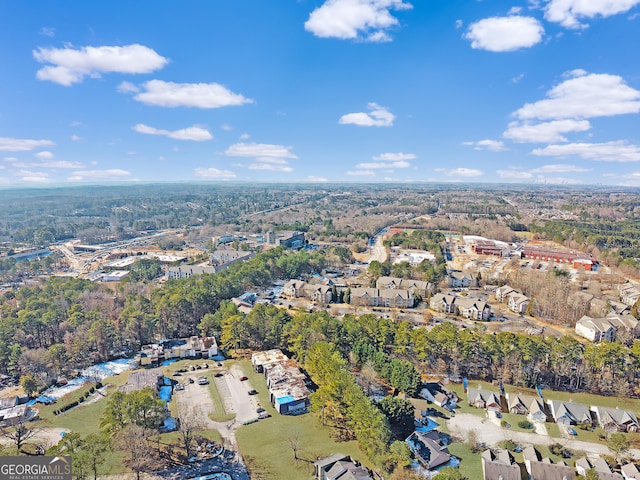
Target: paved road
378, 251
491, 434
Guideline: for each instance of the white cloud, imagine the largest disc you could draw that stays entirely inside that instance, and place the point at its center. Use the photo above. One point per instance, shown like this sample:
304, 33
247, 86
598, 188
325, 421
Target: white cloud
273, 166
22, 144
245, 136
109, 174
569, 12
368, 20
377, 117
226, 128
491, 145
313, 178
513, 174
69, 65
11, 159
617, 151
514, 10
60, 164
584, 96
267, 156
127, 87
195, 133
75, 138
33, 177
560, 168
44, 155
48, 31
459, 24
460, 172
214, 173
546, 132
198, 95
361, 173
517, 78
259, 150
394, 157
504, 34
373, 165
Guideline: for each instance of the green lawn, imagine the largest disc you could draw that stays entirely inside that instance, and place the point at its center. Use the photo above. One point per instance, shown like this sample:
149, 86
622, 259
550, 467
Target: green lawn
266, 445
470, 463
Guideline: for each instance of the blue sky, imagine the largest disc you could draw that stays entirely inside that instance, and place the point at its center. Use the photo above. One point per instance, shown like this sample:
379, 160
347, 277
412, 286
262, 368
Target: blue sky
541, 91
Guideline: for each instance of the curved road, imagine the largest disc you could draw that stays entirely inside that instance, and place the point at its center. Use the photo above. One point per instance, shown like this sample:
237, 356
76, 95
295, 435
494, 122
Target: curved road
491, 434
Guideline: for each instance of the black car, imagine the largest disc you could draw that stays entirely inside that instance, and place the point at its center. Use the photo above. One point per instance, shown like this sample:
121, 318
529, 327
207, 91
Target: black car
191, 380
260, 410
218, 374
177, 374
253, 392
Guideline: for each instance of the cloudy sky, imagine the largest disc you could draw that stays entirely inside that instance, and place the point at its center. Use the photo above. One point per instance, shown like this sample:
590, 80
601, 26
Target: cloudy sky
320, 91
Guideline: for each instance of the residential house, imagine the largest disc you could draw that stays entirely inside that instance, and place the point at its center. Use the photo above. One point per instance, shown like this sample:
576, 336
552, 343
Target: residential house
442, 302
473, 308
375, 297
595, 329
537, 411
417, 287
624, 321
630, 472
319, 293
339, 467
191, 347
518, 404
581, 300
503, 291
429, 448
261, 359
294, 288
517, 302
568, 413
543, 469
186, 271
583, 465
484, 399
288, 390
615, 419
629, 293
499, 465
9, 402
17, 414
437, 393
460, 280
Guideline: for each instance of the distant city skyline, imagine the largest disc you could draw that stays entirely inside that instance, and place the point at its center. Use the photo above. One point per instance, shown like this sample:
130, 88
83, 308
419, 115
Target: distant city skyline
537, 91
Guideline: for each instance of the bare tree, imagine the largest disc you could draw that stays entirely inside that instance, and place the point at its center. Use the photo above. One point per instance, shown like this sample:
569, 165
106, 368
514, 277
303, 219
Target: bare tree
20, 433
294, 440
137, 451
190, 422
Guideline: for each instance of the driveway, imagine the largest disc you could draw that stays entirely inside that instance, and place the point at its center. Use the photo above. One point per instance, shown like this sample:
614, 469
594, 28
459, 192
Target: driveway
235, 395
491, 435
235, 399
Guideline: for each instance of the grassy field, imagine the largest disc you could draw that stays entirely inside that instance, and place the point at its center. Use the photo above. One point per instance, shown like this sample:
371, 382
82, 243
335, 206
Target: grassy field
266, 445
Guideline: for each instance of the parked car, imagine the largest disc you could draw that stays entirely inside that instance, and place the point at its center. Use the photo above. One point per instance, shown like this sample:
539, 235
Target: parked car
179, 387
259, 410
253, 392
177, 374
219, 364
218, 374
191, 380
242, 379
203, 381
